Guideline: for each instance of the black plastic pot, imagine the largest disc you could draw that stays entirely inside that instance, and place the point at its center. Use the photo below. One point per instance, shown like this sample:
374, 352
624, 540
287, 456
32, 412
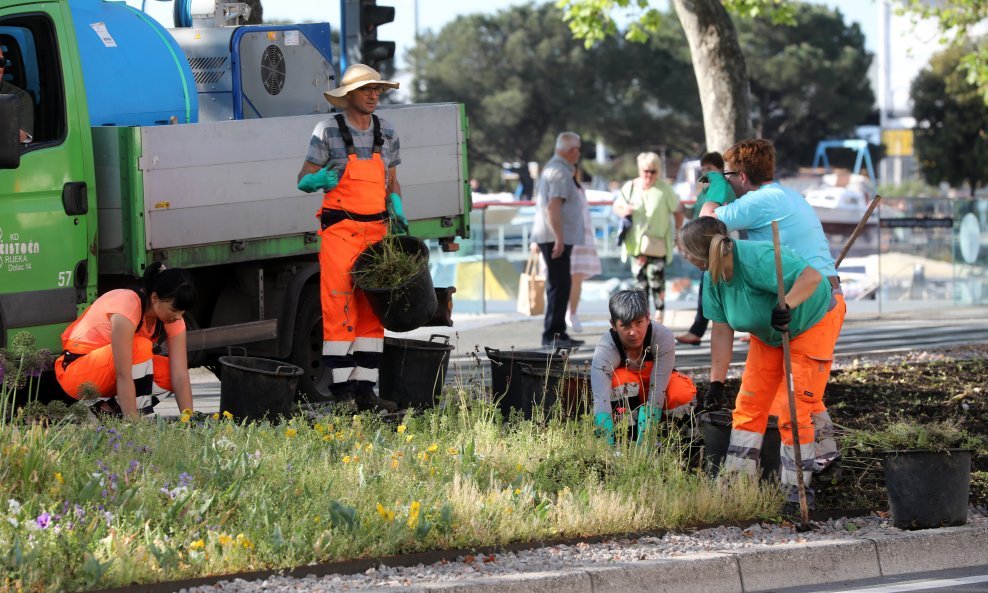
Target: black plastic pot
542, 388
412, 372
928, 488
506, 375
257, 388
716, 430
406, 307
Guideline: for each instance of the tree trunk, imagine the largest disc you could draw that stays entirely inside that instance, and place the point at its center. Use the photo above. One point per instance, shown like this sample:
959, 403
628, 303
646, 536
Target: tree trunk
721, 74
256, 12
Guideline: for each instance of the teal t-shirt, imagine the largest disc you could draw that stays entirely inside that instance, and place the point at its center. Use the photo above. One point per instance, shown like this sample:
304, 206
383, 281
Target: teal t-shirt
745, 302
718, 191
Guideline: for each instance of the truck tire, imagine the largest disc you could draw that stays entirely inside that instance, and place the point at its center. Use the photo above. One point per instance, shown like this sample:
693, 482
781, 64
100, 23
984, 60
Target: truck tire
307, 348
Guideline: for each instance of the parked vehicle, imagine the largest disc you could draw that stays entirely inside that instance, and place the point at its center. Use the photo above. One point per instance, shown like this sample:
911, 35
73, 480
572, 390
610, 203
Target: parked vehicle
183, 146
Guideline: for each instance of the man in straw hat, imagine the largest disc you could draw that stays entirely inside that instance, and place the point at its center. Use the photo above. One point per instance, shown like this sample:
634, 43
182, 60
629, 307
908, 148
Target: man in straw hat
353, 158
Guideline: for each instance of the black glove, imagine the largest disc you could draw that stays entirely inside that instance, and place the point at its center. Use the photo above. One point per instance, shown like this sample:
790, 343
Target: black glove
781, 318
714, 398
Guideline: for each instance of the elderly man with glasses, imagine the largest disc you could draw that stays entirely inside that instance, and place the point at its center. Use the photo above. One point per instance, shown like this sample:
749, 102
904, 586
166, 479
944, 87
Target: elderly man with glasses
352, 158
25, 106
653, 206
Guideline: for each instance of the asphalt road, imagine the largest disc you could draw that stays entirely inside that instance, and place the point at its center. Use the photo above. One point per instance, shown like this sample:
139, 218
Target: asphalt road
962, 580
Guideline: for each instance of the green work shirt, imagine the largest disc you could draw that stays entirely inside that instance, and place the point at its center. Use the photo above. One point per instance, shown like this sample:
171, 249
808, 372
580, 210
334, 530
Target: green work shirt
745, 302
717, 190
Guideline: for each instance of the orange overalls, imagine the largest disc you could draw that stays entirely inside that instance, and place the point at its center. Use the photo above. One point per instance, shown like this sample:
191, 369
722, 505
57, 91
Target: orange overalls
630, 388
353, 216
89, 362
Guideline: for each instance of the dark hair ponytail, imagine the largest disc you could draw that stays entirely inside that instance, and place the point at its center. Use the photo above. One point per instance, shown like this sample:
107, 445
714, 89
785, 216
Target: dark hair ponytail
170, 284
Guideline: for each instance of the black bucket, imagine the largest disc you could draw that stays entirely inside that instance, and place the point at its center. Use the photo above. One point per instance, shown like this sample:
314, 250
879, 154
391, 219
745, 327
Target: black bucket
716, 430
928, 488
543, 387
506, 374
406, 307
257, 388
413, 371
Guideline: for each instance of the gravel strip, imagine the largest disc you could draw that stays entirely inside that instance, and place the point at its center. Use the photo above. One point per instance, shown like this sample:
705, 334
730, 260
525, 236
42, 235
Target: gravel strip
562, 557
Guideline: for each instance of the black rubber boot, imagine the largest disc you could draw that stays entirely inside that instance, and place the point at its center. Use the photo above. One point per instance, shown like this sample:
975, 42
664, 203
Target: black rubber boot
366, 399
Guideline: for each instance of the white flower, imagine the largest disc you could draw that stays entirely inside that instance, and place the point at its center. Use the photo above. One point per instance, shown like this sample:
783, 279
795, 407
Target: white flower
13, 521
13, 507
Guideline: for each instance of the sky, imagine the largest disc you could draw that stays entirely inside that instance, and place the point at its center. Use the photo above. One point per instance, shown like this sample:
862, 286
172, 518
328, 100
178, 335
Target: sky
909, 51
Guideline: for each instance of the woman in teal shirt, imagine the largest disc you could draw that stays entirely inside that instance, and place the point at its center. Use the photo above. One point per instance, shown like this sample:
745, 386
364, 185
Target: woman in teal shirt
741, 293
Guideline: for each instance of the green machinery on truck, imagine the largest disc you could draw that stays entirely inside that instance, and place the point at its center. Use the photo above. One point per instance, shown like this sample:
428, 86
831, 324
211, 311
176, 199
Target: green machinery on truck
182, 145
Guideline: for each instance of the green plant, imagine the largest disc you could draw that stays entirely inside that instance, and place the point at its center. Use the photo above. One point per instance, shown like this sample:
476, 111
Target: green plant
387, 265
904, 435
21, 365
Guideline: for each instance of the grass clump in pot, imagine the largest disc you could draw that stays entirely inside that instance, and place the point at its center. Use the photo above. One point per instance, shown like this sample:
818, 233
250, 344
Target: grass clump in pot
387, 265
907, 435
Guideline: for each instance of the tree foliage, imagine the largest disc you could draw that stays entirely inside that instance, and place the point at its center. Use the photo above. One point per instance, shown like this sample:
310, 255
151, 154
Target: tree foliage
951, 134
809, 80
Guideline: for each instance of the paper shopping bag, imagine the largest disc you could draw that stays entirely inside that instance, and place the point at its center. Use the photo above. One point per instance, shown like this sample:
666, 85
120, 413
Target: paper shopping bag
531, 288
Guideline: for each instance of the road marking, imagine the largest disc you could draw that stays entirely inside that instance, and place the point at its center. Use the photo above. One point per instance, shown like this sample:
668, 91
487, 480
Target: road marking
919, 585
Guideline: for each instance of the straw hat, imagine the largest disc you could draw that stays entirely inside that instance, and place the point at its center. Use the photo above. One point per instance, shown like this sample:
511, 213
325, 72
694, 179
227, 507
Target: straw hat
355, 77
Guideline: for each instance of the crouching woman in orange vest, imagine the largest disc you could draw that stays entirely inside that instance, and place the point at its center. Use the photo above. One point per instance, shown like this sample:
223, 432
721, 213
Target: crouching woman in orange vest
632, 370
740, 292
111, 347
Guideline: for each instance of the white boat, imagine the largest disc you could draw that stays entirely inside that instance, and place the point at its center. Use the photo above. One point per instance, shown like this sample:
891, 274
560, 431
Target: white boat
842, 201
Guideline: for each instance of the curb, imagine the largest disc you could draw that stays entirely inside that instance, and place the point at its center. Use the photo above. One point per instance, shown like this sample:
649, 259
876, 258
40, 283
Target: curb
748, 571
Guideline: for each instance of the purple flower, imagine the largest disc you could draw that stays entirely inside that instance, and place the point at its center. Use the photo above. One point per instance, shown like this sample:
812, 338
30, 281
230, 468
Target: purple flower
184, 480
43, 520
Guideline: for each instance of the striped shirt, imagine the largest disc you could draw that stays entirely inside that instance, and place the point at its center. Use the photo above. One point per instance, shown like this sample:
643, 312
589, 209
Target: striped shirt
326, 145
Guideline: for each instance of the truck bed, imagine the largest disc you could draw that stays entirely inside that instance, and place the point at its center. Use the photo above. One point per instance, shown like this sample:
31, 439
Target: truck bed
165, 189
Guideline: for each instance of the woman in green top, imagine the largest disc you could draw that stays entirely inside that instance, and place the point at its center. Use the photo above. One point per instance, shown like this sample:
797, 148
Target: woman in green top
652, 205
741, 293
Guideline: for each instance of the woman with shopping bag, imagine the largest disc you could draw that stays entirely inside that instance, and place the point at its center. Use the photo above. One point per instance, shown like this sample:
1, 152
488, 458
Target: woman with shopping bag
653, 206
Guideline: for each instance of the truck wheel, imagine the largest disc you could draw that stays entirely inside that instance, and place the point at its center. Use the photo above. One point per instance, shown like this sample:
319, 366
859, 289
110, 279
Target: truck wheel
307, 348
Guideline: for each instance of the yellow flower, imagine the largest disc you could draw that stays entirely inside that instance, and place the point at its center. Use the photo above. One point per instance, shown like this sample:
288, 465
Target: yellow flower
346, 459
413, 514
433, 448
59, 478
225, 540
408, 439
423, 456
244, 541
216, 416
402, 428
517, 491
291, 433
316, 519
228, 415
369, 447
197, 545
386, 514
186, 416
328, 437
394, 463
319, 428
187, 411
452, 451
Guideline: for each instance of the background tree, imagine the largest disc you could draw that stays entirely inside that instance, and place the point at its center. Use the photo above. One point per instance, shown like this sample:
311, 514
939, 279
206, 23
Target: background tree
951, 133
256, 12
809, 81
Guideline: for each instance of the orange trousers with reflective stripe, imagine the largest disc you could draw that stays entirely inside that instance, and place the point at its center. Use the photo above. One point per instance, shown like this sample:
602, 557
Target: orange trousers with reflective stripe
764, 376
96, 367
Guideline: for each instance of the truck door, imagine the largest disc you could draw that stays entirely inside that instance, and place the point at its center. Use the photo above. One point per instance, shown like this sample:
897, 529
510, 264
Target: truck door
47, 267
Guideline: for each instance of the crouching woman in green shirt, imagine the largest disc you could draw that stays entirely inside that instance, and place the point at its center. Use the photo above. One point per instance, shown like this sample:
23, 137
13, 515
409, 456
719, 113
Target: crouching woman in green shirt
740, 293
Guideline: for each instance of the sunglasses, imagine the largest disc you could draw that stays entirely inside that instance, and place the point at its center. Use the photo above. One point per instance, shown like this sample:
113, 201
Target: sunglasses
727, 173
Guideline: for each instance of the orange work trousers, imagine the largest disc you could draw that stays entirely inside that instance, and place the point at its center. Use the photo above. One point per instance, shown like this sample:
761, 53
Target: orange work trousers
96, 367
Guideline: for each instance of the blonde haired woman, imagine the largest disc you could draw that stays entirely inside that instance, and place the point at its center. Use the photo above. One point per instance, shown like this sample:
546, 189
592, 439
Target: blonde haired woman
652, 205
740, 292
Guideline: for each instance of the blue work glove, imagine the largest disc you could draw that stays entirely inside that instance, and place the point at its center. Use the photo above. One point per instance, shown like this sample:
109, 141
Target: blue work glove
397, 213
781, 318
605, 426
648, 418
323, 179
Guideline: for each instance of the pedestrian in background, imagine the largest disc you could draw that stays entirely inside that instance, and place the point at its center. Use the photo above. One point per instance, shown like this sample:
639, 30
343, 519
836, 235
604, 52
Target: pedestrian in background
715, 189
653, 206
557, 227
584, 263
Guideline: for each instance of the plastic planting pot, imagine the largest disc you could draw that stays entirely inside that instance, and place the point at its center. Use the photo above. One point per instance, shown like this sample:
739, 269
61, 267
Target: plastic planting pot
410, 305
716, 430
257, 388
413, 372
544, 387
928, 488
506, 376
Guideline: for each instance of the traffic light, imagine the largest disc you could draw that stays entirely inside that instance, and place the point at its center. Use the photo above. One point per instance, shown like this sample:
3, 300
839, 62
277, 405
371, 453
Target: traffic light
372, 16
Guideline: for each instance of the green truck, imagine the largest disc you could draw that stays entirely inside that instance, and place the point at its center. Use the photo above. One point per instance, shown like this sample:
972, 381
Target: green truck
182, 146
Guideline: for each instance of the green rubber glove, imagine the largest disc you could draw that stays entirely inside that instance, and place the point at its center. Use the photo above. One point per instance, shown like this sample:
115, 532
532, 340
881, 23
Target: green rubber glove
605, 426
648, 418
323, 179
397, 213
